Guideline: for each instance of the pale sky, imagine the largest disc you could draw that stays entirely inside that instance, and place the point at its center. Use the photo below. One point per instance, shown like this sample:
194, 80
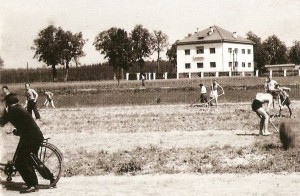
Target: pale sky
21, 20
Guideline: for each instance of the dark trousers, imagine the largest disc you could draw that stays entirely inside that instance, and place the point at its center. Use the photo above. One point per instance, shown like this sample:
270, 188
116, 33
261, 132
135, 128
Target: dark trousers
203, 98
32, 106
23, 162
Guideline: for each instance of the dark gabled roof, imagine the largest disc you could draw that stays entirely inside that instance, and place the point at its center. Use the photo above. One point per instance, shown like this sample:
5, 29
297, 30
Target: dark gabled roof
218, 35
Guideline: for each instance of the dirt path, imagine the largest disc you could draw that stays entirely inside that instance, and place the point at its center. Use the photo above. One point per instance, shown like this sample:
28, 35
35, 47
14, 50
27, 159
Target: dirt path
176, 184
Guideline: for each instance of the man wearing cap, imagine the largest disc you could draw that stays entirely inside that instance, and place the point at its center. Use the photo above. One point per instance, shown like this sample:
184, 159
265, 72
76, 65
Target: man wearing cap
31, 138
203, 96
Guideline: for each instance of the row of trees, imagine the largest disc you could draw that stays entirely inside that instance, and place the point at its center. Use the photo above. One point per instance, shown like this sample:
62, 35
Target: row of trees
54, 46
273, 51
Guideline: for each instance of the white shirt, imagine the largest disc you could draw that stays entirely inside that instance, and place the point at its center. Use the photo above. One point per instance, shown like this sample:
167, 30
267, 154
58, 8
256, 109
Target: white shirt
202, 89
271, 85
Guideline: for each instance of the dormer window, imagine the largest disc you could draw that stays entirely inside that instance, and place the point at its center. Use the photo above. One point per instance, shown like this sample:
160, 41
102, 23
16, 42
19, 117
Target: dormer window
199, 38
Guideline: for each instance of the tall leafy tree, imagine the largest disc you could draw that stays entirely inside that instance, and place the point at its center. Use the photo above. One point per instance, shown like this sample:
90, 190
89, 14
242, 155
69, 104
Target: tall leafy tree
70, 46
141, 44
117, 48
160, 42
294, 53
260, 56
172, 54
46, 48
276, 50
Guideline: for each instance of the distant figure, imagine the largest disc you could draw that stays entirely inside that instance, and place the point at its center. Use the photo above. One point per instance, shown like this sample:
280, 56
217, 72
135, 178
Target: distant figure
271, 86
214, 91
49, 99
203, 96
284, 99
257, 107
7, 95
143, 80
31, 101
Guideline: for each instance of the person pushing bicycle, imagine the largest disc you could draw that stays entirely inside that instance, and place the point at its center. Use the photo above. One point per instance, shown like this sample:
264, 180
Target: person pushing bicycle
31, 139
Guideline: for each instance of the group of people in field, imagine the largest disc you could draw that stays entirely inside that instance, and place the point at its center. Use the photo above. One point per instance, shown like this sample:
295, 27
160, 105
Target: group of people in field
213, 96
30, 134
273, 91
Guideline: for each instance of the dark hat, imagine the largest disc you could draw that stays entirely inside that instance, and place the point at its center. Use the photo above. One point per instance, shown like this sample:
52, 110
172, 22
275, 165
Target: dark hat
200, 84
11, 99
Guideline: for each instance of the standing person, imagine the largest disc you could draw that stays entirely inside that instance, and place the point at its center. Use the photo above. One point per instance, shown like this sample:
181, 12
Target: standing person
214, 91
31, 138
143, 80
284, 99
271, 86
257, 107
203, 96
31, 101
49, 99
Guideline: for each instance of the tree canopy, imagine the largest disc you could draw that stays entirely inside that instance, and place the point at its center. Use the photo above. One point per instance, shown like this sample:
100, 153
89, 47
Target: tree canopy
276, 50
117, 48
172, 54
294, 53
160, 42
1, 62
141, 44
55, 46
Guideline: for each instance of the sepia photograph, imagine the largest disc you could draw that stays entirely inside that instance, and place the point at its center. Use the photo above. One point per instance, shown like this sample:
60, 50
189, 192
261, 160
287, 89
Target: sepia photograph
150, 97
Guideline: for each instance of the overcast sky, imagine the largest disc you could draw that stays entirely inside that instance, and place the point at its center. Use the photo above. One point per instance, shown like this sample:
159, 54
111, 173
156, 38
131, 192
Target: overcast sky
21, 20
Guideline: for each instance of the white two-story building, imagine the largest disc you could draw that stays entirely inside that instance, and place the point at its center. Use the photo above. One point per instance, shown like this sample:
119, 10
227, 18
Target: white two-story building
214, 52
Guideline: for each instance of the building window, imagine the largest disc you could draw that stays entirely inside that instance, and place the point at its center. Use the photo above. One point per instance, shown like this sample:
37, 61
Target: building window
243, 64
212, 50
243, 51
229, 50
249, 64
200, 50
213, 64
249, 51
187, 65
236, 50
187, 52
236, 64
230, 64
199, 65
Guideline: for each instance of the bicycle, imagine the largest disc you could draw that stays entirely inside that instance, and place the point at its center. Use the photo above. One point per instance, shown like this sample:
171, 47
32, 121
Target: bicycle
48, 155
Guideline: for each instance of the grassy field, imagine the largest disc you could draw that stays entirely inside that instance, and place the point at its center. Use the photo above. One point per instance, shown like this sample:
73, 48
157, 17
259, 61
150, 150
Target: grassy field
103, 93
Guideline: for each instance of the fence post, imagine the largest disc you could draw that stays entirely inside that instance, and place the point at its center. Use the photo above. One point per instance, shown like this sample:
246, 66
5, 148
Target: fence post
202, 74
149, 76
271, 73
154, 76
284, 73
217, 74
256, 73
177, 75
190, 75
138, 76
166, 75
127, 76
230, 74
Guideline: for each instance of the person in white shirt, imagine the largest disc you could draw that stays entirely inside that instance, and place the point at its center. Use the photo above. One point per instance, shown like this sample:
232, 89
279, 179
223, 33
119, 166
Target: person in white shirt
214, 91
31, 101
203, 91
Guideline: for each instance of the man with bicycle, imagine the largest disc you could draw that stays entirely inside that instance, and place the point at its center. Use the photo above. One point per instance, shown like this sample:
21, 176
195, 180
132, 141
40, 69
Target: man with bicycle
31, 138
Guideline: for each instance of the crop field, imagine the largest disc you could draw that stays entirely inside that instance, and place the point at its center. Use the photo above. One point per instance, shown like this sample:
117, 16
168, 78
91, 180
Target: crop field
145, 147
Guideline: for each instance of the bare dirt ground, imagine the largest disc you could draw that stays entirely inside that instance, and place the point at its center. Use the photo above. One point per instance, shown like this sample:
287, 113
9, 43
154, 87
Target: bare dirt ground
124, 128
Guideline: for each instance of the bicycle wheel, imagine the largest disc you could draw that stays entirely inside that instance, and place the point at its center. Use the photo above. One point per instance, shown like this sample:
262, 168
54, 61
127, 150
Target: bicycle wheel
52, 158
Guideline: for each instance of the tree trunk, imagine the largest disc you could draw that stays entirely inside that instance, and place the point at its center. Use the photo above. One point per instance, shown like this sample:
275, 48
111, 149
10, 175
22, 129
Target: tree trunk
54, 73
67, 72
158, 57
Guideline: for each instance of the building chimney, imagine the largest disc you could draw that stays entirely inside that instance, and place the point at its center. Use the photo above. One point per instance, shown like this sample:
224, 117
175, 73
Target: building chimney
234, 34
211, 30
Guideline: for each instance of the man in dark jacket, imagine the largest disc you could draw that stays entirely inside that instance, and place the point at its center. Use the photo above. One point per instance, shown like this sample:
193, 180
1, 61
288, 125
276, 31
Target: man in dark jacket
31, 138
